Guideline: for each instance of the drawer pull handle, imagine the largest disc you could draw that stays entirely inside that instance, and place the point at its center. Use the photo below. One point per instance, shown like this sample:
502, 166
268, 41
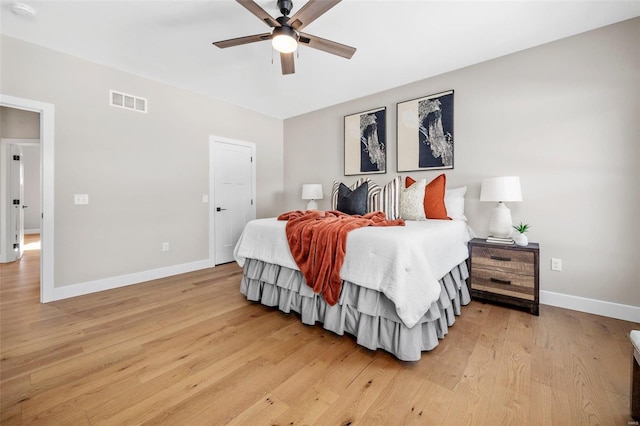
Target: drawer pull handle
499, 281
504, 259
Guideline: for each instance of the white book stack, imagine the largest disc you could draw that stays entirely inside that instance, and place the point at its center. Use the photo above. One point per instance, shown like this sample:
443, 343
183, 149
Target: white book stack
499, 240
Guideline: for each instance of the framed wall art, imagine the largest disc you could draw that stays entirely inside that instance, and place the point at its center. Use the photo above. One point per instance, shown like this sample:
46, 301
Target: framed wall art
425, 133
365, 142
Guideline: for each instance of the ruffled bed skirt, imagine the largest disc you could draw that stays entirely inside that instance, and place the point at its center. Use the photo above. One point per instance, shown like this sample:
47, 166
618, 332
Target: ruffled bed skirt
364, 313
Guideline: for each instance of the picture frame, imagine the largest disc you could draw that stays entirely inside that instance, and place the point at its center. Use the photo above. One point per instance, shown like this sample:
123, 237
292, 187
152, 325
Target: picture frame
365, 142
425, 138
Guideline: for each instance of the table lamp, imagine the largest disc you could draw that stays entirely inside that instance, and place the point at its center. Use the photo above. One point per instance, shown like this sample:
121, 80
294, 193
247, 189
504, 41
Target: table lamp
501, 189
312, 192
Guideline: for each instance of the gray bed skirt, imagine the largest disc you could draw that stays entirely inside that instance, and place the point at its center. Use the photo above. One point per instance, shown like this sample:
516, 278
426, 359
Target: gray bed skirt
364, 313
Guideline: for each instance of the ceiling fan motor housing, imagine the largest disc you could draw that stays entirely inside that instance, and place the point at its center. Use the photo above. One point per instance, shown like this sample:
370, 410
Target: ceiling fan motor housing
285, 6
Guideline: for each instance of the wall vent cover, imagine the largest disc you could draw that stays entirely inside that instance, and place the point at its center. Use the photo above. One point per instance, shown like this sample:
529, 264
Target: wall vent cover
123, 100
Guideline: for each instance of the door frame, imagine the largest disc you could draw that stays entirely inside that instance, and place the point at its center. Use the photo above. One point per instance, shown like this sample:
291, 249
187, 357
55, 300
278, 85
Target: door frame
47, 142
213, 140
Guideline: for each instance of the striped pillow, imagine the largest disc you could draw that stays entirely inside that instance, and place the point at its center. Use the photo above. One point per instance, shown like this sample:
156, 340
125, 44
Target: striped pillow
390, 198
373, 195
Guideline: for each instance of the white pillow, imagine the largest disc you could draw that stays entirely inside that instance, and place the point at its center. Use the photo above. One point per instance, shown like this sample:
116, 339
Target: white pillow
412, 201
454, 202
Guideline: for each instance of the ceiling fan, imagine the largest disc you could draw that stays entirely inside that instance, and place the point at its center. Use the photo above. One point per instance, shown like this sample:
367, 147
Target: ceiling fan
286, 35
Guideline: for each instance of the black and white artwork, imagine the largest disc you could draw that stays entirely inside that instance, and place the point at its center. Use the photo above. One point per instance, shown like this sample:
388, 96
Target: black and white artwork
425, 133
365, 145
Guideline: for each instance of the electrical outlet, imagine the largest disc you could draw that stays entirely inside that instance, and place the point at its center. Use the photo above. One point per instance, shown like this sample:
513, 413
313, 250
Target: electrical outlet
165, 246
556, 264
205, 198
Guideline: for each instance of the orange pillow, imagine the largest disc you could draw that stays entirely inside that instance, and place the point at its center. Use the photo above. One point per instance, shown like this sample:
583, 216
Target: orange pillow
433, 197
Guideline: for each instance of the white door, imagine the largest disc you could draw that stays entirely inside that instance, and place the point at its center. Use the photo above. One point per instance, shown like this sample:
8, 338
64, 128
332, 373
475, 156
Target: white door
13, 238
233, 197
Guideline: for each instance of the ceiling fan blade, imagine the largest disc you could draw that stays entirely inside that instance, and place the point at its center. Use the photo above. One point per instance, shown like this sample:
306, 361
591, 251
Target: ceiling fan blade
253, 7
310, 12
242, 40
327, 45
288, 66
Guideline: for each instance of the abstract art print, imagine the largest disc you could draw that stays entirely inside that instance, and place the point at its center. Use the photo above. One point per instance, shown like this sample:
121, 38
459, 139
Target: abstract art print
365, 142
425, 133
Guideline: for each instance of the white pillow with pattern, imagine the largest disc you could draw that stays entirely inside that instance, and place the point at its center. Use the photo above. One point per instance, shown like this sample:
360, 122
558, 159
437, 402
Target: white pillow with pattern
412, 201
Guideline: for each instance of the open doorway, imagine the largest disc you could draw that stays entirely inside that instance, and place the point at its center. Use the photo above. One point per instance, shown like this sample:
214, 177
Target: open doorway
20, 193
13, 110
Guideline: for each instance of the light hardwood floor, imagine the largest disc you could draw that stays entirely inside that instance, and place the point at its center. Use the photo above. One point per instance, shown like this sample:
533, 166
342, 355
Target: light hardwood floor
190, 350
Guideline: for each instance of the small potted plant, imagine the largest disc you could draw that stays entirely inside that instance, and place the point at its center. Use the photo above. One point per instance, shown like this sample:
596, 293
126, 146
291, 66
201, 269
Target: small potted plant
520, 238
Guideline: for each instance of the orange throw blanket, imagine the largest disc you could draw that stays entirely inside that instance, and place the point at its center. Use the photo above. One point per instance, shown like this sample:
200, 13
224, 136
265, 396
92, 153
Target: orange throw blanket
318, 240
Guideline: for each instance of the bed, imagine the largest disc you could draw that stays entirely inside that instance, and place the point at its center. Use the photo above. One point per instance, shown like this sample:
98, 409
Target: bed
402, 286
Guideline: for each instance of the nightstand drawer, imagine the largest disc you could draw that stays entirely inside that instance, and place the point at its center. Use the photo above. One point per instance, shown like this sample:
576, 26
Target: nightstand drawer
505, 273
504, 260
498, 282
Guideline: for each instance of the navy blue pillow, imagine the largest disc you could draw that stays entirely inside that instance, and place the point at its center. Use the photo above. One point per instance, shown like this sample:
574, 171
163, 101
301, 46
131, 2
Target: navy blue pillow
353, 202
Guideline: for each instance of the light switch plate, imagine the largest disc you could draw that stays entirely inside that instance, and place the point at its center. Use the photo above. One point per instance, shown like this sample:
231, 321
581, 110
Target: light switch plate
81, 199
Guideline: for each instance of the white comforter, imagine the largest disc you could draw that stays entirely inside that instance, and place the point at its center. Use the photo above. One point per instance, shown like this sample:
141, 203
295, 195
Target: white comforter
403, 262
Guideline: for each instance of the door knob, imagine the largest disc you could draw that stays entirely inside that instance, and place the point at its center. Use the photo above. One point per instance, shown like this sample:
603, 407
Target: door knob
219, 209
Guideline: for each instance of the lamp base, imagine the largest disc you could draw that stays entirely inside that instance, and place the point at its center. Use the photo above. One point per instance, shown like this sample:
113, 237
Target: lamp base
500, 224
312, 205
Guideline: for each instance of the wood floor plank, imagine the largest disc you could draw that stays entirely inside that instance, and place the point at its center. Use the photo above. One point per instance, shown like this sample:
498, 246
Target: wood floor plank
362, 392
549, 406
395, 400
308, 406
508, 407
264, 412
429, 405
190, 349
470, 402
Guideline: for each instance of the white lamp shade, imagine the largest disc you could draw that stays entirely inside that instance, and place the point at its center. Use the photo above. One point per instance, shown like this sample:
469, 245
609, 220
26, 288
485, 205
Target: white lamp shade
312, 191
505, 188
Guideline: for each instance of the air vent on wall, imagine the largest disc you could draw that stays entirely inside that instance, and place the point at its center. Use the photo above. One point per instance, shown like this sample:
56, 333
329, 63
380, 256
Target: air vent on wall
123, 100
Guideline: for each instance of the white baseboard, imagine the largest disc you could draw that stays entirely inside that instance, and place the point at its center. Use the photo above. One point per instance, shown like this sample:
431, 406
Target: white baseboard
32, 231
591, 306
88, 287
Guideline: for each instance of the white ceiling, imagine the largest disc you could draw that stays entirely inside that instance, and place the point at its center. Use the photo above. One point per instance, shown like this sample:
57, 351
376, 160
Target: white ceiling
398, 42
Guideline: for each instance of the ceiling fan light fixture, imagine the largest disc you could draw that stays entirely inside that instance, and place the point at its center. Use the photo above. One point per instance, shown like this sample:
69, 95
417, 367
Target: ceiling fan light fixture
284, 39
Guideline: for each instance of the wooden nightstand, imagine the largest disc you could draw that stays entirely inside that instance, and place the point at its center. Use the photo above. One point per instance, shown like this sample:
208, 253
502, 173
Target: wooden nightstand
508, 274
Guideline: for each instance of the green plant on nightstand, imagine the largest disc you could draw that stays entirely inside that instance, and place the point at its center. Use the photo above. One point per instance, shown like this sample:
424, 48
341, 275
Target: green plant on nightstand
520, 238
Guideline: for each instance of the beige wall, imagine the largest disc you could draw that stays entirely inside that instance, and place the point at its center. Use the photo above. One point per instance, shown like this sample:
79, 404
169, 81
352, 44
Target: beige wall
145, 173
19, 124
563, 116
